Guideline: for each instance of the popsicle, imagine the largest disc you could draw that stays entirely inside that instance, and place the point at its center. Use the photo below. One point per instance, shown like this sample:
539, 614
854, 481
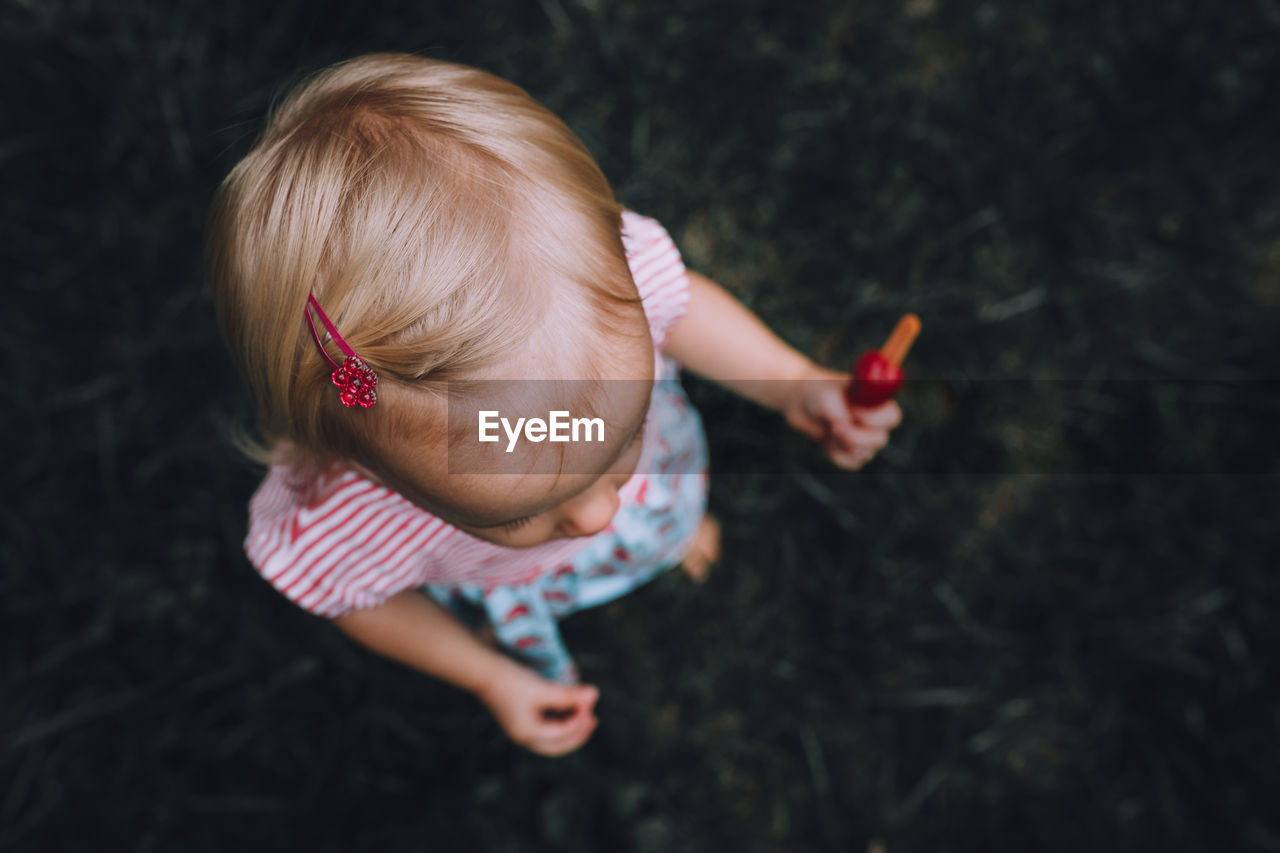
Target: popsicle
877, 374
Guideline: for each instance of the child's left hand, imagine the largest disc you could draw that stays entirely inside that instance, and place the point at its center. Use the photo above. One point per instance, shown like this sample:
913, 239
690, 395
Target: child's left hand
851, 436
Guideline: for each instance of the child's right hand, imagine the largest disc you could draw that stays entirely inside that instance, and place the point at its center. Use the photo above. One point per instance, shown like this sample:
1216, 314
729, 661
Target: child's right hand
542, 716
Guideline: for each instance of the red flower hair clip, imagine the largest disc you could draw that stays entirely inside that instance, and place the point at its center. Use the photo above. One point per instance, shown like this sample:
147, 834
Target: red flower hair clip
355, 380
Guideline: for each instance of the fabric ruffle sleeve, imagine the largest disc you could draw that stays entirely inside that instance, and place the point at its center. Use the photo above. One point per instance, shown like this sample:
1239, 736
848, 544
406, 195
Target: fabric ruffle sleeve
658, 271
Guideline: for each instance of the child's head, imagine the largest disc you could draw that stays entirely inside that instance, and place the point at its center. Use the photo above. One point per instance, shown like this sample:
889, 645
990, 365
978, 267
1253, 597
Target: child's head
452, 228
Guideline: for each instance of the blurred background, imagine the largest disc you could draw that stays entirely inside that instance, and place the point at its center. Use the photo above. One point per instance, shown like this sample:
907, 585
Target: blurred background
1041, 620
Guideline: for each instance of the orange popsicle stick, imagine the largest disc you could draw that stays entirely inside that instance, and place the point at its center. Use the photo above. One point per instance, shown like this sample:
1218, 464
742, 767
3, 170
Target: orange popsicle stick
904, 334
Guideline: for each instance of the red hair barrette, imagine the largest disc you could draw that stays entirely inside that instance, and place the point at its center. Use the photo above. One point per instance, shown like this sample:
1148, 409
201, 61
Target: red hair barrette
355, 380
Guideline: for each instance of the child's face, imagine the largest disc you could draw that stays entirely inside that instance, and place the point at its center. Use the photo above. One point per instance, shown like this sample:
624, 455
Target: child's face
521, 510
544, 507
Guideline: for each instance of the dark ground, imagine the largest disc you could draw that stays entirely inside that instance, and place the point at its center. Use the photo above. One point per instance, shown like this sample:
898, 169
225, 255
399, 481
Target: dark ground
1044, 620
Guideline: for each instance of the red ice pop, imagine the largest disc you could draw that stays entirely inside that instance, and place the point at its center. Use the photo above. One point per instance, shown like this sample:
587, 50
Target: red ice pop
878, 373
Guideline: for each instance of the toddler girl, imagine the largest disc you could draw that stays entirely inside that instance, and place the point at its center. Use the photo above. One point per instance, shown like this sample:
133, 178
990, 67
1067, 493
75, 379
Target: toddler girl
410, 246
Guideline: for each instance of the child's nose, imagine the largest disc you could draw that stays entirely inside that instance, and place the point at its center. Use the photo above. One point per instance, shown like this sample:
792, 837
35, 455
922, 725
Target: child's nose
591, 513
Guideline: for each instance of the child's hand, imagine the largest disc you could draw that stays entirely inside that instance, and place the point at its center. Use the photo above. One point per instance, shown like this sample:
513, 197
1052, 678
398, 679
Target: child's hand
548, 718
851, 436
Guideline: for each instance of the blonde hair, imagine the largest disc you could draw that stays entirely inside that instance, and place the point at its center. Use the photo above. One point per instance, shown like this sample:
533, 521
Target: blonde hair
426, 205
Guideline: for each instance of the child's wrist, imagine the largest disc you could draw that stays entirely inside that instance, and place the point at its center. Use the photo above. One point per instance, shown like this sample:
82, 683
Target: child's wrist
778, 393
489, 675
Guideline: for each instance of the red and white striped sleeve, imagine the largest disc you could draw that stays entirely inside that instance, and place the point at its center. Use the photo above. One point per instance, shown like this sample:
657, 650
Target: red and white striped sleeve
659, 273
341, 542
338, 545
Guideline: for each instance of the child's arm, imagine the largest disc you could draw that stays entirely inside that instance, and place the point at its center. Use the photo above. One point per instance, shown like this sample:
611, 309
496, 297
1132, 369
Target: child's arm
718, 338
548, 718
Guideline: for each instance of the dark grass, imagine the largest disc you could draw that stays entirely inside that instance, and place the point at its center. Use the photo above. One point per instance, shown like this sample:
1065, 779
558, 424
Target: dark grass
1044, 620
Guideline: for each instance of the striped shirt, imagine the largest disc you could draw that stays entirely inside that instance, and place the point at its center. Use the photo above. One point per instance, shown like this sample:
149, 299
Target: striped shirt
340, 542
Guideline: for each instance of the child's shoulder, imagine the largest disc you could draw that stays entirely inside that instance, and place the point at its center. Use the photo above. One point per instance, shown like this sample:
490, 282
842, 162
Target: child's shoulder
658, 270
321, 536
647, 243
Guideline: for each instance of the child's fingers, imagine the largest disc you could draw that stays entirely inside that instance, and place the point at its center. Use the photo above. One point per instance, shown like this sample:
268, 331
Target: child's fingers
885, 416
568, 702
566, 737
821, 409
851, 447
567, 722
830, 403
848, 438
850, 460
850, 435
